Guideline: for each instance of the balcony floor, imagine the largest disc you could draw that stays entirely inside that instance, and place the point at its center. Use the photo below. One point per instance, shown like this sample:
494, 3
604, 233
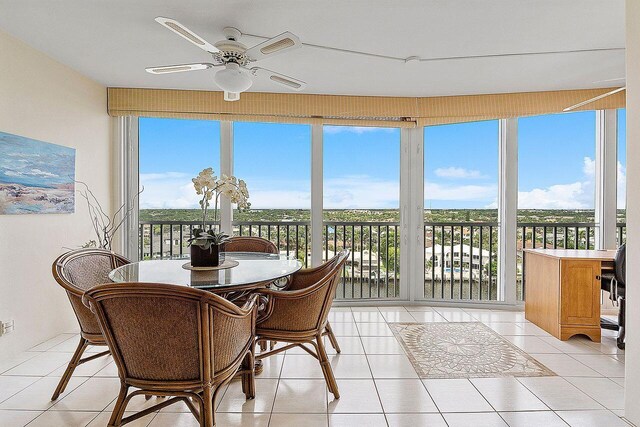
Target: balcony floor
375, 389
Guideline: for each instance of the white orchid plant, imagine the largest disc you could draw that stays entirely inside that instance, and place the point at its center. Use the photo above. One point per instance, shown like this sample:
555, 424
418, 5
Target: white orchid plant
213, 188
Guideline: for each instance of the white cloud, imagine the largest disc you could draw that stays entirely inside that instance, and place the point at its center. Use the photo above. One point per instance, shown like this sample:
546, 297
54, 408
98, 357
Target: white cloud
175, 190
589, 166
162, 176
33, 172
622, 186
361, 192
576, 195
458, 173
356, 129
280, 199
38, 172
434, 191
169, 190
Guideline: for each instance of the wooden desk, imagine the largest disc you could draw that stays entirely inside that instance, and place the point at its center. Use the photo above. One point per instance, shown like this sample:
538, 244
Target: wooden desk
562, 290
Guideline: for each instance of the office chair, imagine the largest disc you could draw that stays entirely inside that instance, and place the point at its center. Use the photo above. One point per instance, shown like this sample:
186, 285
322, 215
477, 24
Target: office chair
614, 283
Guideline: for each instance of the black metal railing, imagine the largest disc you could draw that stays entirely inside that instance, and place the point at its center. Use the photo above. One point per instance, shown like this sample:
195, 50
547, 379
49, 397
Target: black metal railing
373, 268
461, 261
291, 237
621, 235
169, 239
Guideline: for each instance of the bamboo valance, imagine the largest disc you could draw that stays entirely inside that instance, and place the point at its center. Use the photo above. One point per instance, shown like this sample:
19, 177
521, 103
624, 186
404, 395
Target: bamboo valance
349, 110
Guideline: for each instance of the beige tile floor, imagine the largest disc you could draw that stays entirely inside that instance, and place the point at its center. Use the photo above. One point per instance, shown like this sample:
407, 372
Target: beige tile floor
378, 384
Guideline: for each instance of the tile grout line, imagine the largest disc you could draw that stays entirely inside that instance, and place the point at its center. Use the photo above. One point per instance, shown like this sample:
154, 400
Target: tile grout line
375, 384
275, 395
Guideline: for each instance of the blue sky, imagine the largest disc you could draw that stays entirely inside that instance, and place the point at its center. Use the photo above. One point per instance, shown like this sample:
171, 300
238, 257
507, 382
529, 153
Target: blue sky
362, 165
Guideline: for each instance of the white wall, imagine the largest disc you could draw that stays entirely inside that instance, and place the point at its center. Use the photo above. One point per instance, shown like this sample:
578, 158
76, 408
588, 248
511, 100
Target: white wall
45, 100
632, 358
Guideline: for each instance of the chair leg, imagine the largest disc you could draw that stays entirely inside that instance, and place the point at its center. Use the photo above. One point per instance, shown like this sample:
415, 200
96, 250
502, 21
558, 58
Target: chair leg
327, 371
621, 323
118, 409
73, 364
207, 415
332, 338
248, 377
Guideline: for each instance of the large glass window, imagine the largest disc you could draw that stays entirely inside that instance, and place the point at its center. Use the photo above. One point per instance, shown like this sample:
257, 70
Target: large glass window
361, 208
622, 174
556, 189
275, 161
460, 201
171, 152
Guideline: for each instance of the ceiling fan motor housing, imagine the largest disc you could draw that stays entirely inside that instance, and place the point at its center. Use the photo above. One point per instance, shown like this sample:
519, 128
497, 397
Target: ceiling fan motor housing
231, 51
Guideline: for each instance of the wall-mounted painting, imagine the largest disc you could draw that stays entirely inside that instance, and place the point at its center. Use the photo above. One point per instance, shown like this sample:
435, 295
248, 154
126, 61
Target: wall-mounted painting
36, 177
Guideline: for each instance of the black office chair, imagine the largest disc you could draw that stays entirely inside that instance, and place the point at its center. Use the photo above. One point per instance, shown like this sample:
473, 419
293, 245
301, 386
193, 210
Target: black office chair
614, 283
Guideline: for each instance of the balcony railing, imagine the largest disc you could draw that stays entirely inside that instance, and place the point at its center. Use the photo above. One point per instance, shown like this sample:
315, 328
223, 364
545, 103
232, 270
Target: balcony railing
169, 239
460, 259
373, 268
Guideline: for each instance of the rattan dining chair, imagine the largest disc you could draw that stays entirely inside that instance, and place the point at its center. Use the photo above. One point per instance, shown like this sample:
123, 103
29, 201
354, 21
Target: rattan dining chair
250, 244
174, 341
298, 315
77, 271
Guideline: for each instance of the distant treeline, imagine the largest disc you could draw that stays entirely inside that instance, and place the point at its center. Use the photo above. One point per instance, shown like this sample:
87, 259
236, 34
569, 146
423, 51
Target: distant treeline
382, 215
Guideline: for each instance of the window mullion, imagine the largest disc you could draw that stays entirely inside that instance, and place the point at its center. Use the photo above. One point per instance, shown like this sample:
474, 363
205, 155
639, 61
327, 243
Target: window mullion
507, 209
226, 167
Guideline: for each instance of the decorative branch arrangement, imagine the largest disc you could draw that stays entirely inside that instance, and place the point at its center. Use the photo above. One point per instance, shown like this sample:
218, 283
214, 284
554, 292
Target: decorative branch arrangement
104, 226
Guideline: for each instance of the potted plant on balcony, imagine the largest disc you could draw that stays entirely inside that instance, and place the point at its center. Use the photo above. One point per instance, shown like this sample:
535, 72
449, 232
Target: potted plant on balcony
206, 244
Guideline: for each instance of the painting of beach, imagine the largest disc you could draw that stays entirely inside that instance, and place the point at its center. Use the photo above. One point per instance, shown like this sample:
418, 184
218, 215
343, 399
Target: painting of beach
36, 177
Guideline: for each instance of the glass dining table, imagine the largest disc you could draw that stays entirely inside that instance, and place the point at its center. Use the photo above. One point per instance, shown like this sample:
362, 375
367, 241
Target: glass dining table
253, 270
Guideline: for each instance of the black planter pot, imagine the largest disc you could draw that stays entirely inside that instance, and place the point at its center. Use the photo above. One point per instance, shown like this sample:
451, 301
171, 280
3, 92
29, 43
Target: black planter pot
210, 257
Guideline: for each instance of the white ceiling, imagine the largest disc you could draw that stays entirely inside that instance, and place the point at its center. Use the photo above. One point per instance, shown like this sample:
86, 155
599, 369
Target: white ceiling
113, 41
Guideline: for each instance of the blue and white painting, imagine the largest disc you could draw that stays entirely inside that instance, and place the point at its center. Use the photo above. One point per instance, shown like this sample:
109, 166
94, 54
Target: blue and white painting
36, 177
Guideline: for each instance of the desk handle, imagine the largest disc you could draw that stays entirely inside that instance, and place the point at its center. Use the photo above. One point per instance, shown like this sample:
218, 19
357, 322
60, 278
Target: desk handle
598, 277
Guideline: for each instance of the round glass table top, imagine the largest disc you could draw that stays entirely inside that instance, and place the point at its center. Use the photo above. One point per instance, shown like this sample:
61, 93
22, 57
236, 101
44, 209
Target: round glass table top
252, 268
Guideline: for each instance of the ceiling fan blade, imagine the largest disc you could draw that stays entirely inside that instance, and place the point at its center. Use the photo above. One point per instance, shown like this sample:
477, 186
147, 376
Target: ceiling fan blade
186, 34
231, 96
594, 99
281, 79
274, 46
179, 68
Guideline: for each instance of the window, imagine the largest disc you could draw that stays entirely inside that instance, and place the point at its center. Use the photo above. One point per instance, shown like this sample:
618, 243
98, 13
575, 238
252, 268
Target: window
361, 207
171, 152
556, 189
556, 168
275, 161
622, 172
460, 208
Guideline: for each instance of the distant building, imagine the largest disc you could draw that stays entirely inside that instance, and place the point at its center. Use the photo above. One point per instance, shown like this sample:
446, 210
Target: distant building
442, 260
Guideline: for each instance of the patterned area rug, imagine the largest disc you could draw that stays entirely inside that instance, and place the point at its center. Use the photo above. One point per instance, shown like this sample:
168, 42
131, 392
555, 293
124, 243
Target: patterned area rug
464, 350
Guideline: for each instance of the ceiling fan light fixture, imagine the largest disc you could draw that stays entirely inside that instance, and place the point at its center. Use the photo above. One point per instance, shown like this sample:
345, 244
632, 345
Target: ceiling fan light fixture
232, 79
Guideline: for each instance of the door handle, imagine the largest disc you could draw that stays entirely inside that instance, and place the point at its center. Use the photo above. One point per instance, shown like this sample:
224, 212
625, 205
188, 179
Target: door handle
598, 277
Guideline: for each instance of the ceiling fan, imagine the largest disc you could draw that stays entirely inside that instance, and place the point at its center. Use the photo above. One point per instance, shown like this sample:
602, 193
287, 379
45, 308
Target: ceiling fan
231, 58
599, 97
